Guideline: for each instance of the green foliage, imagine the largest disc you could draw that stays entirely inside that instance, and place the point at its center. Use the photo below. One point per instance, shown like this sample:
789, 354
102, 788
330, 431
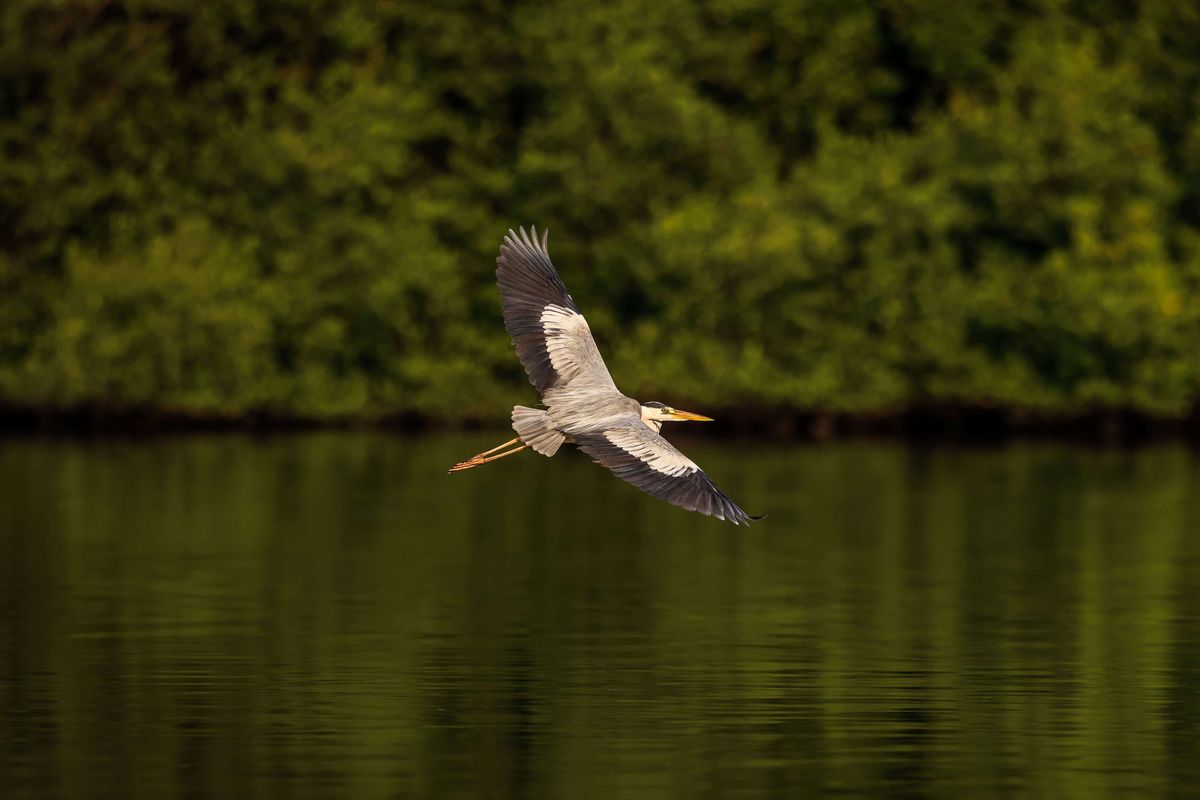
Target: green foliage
294, 208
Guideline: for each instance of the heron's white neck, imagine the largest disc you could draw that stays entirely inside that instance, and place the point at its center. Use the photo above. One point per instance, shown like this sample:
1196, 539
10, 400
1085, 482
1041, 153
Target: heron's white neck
649, 416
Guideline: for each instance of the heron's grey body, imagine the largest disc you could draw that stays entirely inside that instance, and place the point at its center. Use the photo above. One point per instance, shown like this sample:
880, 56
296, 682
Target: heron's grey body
583, 404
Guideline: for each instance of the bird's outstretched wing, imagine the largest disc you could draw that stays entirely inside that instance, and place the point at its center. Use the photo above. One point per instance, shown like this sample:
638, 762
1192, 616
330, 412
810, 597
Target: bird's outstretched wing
551, 336
644, 458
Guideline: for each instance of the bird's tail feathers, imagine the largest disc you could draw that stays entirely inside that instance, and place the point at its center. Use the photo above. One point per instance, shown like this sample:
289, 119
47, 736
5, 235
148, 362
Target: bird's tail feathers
534, 429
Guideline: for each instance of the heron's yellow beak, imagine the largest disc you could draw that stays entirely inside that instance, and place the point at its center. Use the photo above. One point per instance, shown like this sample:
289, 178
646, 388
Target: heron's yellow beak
687, 416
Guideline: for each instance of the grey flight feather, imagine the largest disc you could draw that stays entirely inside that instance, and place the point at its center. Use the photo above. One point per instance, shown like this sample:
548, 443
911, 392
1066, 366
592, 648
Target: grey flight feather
552, 339
645, 459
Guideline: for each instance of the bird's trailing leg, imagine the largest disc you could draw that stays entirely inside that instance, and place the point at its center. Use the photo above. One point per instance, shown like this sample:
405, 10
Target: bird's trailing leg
486, 456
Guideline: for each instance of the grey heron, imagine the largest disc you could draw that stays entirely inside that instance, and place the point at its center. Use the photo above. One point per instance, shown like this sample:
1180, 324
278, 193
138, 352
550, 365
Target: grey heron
582, 403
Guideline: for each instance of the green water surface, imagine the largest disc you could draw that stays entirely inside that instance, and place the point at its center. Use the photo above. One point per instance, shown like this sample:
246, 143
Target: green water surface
330, 615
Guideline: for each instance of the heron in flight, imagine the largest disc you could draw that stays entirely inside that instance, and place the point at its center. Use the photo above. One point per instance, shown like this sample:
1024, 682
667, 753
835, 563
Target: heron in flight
583, 405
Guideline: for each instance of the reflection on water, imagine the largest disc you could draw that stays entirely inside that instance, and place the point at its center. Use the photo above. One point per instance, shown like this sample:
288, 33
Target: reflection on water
331, 615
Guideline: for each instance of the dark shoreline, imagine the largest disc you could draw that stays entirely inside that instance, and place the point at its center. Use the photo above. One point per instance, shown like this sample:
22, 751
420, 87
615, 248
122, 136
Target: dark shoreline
941, 423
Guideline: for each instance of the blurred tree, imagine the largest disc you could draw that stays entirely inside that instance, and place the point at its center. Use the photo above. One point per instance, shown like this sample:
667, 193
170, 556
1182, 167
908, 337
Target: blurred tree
293, 207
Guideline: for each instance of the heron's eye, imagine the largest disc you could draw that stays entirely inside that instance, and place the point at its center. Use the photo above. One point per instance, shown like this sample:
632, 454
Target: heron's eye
668, 410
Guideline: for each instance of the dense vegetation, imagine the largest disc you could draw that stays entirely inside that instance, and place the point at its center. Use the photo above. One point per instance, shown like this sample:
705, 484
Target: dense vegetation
294, 208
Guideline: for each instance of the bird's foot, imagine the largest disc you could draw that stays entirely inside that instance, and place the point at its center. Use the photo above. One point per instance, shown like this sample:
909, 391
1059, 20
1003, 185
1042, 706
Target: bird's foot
486, 456
473, 461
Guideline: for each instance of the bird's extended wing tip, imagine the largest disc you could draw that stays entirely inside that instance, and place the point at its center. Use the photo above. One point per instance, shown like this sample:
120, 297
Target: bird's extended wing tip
522, 238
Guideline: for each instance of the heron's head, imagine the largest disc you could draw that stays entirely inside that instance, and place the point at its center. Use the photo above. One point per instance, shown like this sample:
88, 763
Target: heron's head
655, 411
